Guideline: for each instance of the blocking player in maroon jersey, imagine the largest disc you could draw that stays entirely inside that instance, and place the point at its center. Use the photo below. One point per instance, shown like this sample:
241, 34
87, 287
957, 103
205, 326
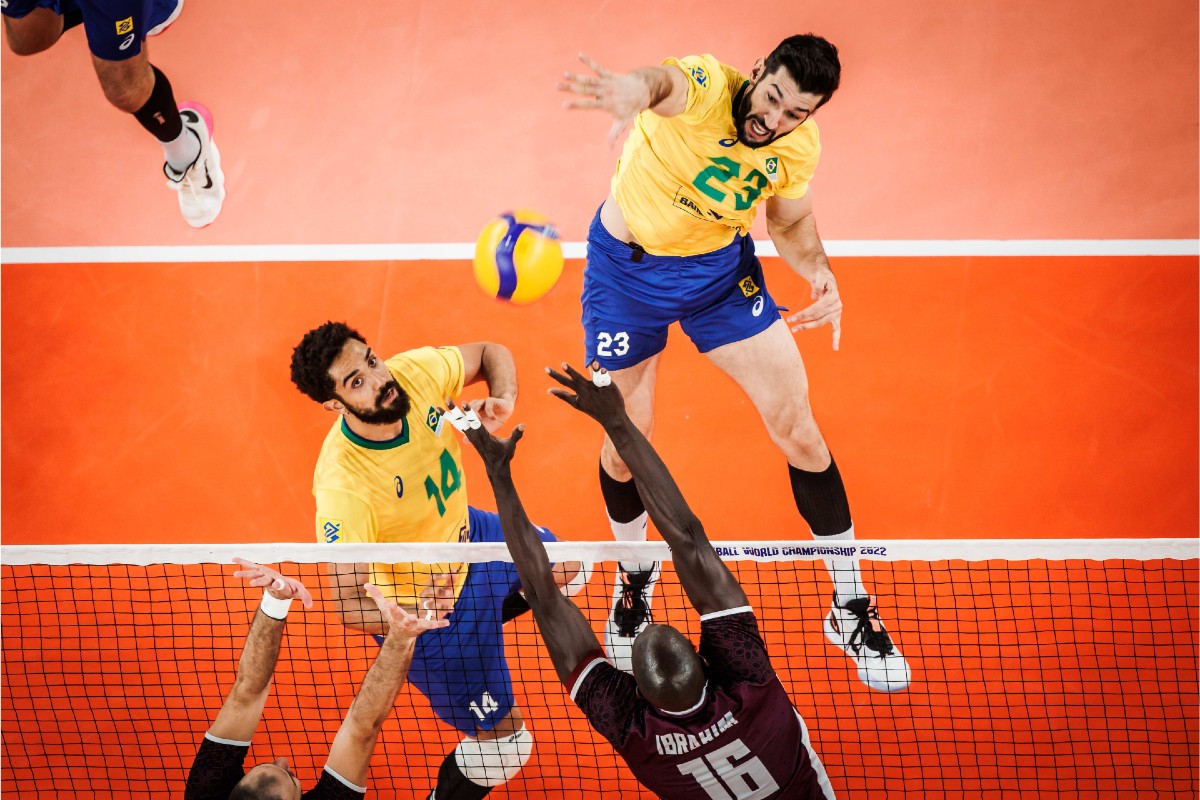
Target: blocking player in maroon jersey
716, 720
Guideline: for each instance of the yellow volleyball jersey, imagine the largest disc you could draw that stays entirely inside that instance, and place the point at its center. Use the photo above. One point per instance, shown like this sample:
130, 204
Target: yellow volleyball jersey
686, 185
411, 489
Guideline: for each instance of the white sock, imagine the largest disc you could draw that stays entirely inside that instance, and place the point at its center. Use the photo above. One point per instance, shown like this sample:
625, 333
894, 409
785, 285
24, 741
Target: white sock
847, 579
632, 531
182, 150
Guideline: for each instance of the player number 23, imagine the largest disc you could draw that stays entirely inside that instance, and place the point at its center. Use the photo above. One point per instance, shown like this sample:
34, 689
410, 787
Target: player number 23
612, 344
722, 779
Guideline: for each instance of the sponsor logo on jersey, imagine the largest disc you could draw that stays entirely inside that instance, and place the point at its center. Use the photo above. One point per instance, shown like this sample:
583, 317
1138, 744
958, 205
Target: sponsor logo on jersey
332, 528
434, 421
728, 142
399, 486
124, 26
758, 306
772, 167
689, 205
699, 76
128, 41
747, 286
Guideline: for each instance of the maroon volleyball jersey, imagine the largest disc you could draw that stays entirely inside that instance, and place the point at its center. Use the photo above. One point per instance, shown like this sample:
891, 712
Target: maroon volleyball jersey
742, 741
217, 768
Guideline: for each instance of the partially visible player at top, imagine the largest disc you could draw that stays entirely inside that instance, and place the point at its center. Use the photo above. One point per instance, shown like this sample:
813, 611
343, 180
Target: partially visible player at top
717, 722
671, 243
217, 771
390, 472
116, 35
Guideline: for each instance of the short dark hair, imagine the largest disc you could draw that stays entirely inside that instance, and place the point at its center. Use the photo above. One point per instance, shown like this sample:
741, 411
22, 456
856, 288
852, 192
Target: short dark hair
312, 358
811, 61
255, 790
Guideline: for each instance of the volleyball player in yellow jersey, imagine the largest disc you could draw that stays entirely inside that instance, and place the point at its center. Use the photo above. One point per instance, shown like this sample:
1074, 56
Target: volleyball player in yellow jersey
389, 471
671, 244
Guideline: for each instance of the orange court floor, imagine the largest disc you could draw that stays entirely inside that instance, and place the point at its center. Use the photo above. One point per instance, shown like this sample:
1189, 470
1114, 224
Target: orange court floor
983, 389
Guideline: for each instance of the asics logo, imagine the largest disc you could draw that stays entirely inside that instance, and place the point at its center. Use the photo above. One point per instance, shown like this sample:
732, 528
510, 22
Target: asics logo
758, 306
208, 184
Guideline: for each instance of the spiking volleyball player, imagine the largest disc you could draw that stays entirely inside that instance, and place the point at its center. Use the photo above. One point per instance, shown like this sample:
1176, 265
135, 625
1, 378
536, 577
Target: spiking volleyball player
671, 243
217, 771
388, 472
717, 723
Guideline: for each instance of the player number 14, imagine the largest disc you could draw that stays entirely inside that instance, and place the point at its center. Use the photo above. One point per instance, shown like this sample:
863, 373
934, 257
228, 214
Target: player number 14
724, 780
451, 481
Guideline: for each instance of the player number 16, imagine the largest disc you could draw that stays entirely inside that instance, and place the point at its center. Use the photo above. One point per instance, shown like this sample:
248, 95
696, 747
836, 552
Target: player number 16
731, 781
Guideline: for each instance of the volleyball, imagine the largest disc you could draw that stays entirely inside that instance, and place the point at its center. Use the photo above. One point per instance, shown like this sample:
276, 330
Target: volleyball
518, 257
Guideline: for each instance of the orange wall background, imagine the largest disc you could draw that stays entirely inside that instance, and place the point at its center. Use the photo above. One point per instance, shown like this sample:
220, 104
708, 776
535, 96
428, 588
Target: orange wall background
972, 397
989, 397
416, 122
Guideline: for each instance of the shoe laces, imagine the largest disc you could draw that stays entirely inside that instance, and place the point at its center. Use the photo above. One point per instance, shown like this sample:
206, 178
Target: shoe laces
868, 629
194, 176
632, 611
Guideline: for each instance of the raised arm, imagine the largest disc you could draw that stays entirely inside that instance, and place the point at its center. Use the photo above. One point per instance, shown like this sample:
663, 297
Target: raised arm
708, 582
567, 633
358, 610
243, 707
492, 363
350, 753
662, 89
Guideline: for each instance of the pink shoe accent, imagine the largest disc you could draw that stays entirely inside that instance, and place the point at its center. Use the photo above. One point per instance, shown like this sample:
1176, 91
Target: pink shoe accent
203, 111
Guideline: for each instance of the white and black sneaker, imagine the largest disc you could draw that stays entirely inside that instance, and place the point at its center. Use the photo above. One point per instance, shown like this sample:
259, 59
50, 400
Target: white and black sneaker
632, 591
201, 187
856, 628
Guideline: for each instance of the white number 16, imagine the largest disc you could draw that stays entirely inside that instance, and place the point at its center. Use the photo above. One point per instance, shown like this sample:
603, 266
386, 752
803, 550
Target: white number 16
731, 781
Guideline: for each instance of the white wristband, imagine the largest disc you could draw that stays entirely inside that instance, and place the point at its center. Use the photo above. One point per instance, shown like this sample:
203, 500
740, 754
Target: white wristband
273, 607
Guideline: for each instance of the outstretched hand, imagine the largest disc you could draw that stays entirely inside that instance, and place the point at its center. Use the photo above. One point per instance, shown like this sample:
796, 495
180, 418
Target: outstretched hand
399, 621
275, 584
596, 396
623, 96
496, 453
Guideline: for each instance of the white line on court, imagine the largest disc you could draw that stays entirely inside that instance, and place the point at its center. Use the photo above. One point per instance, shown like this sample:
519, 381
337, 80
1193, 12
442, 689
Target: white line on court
458, 251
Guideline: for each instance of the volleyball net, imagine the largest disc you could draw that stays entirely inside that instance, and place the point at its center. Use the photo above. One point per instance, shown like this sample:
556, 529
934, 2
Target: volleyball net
1041, 668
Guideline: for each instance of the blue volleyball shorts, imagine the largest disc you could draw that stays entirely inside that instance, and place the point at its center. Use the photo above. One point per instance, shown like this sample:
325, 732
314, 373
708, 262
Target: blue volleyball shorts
630, 298
115, 28
461, 668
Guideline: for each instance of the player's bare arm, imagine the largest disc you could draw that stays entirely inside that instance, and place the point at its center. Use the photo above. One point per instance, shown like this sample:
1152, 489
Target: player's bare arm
350, 754
359, 610
708, 582
567, 633
661, 89
492, 363
793, 229
243, 707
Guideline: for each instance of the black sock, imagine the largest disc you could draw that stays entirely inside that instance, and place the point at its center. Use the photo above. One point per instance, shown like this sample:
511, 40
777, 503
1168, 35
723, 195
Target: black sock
160, 115
621, 498
821, 498
453, 785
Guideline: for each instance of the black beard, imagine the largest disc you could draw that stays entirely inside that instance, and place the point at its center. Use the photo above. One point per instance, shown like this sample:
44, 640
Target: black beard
741, 117
384, 416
